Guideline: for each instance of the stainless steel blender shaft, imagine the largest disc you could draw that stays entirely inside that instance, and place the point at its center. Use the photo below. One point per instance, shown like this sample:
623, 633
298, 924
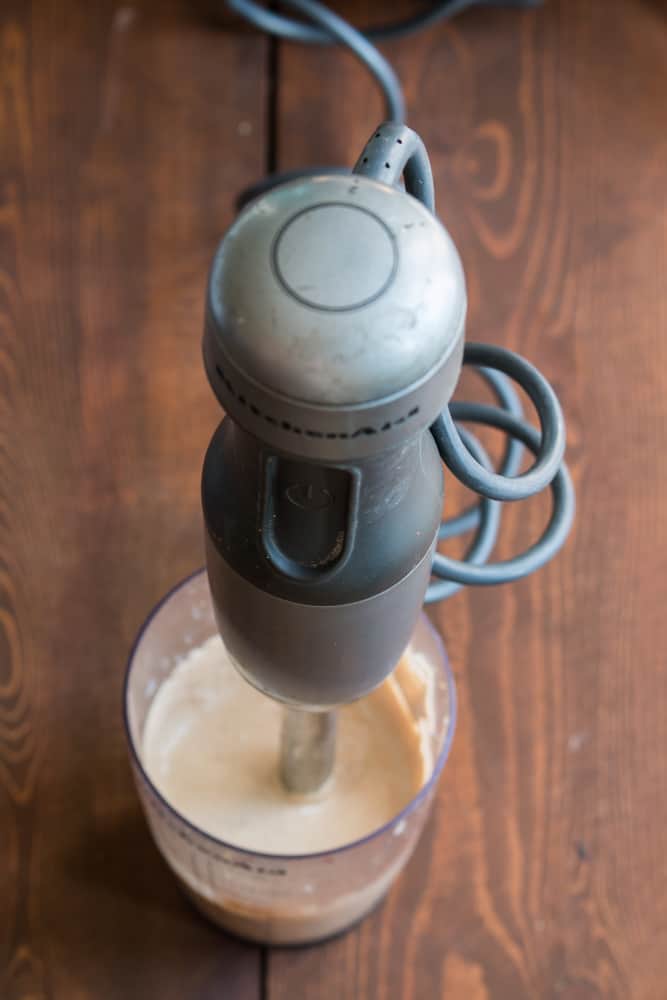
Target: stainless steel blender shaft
308, 749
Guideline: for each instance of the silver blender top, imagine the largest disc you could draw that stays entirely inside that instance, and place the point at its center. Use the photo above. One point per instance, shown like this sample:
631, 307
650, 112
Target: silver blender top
336, 308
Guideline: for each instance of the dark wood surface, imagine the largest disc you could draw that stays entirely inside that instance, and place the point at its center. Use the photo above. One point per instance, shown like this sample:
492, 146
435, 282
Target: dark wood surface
125, 133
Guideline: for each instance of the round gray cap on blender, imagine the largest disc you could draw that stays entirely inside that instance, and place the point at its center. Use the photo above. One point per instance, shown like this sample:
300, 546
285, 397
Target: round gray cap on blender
335, 317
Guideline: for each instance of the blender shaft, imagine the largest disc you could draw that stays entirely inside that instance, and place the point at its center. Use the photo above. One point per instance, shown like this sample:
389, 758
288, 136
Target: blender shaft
308, 749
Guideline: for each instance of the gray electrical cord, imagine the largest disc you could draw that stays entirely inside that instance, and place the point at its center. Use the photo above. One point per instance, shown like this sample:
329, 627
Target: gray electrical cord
296, 31
468, 519
554, 534
484, 516
338, 30
552, 446
328, 28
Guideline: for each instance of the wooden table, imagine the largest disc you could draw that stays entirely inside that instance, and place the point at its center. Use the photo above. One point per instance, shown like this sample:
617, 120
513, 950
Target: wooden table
125, 134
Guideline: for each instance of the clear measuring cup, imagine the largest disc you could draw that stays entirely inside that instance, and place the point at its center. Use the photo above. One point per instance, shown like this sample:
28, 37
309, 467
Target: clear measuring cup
270, 898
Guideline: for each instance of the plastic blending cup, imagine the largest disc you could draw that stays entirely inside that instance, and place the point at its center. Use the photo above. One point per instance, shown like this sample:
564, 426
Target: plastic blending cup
270, 898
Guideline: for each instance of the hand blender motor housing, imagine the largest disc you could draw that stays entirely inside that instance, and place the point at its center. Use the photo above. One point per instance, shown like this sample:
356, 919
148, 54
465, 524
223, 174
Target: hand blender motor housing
333, 338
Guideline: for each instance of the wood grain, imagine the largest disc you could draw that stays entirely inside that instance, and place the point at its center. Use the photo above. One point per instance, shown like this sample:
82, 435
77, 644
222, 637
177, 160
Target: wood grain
126, 133
542, 871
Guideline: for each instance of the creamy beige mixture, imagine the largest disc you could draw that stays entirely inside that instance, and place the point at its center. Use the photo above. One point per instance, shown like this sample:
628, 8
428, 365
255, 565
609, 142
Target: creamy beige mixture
211, 746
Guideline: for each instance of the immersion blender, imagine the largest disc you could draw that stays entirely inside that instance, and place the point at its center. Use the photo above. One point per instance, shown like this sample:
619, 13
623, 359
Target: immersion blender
334, 339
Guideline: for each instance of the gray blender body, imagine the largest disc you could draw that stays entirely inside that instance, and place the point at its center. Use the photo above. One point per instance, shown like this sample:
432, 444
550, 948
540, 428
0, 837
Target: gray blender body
333, 338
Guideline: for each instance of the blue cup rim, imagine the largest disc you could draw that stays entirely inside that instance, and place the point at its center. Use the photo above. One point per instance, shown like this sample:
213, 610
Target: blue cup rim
178, 817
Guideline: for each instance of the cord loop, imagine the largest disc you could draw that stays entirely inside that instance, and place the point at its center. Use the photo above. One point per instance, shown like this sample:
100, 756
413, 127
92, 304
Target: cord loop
554, 535
551, 446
